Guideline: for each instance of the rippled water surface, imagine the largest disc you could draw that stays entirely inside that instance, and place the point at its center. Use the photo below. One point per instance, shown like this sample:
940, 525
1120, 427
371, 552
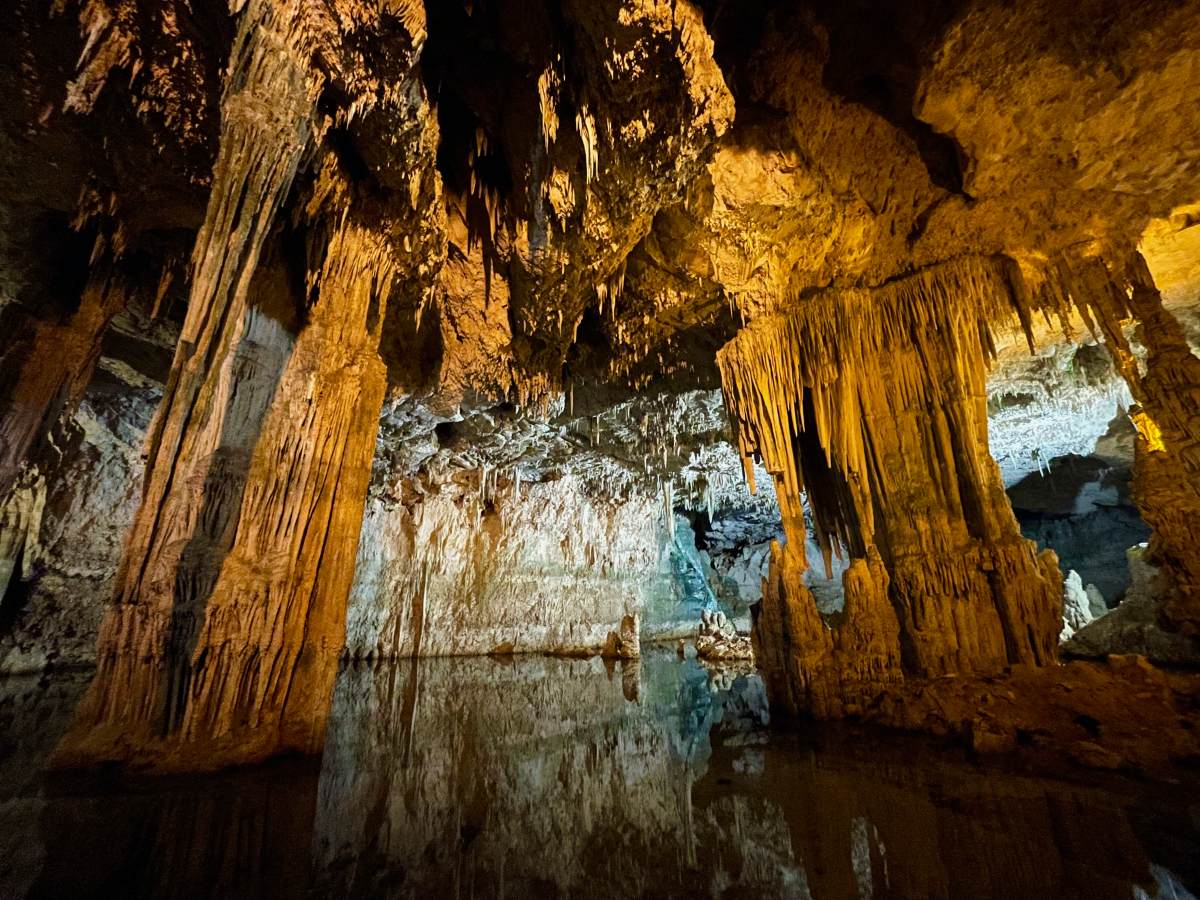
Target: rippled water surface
537, 777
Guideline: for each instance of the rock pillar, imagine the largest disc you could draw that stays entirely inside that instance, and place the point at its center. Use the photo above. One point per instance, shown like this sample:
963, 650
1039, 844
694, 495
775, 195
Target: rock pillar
222, 643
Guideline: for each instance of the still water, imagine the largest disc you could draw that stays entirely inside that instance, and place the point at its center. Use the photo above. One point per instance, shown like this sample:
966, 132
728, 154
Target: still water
537, 777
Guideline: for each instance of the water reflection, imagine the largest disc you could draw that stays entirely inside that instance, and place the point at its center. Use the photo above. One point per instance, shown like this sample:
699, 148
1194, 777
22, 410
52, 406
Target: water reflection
538, 777
535, 776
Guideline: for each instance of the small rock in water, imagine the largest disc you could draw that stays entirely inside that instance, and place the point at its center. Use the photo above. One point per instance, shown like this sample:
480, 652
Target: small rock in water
718, 639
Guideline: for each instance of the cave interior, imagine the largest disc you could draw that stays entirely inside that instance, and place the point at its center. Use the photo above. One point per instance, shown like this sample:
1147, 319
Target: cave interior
720, 385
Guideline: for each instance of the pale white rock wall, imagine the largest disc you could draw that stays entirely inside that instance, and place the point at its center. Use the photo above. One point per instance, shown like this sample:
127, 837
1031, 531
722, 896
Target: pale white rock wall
70, 558
450, 569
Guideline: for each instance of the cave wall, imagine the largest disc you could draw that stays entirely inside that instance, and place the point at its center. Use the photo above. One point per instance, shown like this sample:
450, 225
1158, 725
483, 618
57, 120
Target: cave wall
75, 546
483, 564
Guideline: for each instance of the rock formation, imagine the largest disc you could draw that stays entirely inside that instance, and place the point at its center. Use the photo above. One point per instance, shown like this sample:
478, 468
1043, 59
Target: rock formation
485, 566
718, 640
338, 329
874, 404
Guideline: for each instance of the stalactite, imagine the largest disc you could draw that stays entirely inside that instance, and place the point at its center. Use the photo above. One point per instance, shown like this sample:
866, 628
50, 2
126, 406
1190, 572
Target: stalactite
549, 84
873, 402
668, 502
585, 125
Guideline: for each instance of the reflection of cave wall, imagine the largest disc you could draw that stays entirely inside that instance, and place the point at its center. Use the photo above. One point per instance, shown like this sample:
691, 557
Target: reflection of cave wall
527, 778
1080, 507
676, 611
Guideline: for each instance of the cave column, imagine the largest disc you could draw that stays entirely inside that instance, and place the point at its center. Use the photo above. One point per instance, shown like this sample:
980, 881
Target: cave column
873, 404
223, 644
222, 641
59, 356
1166, 479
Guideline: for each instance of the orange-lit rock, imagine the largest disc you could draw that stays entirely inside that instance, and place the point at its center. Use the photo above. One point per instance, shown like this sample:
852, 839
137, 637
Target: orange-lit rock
873, 404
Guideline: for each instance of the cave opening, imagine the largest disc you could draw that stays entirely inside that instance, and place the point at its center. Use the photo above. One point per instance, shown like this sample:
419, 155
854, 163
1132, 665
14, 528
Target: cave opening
1071, 488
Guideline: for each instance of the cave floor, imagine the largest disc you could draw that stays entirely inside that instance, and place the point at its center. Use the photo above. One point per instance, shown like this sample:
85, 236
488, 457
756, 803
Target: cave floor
536, 776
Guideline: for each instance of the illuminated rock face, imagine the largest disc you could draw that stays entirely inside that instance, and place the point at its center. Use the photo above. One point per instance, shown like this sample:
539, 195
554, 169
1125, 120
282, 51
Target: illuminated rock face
533, 226
230, 602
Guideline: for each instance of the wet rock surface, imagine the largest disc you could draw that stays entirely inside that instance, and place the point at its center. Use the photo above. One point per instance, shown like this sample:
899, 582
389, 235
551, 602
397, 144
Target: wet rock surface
718, 640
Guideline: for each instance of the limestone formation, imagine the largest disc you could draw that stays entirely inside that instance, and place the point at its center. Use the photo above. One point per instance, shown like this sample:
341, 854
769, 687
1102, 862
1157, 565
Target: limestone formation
873, 404
1077, 606
486, 565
